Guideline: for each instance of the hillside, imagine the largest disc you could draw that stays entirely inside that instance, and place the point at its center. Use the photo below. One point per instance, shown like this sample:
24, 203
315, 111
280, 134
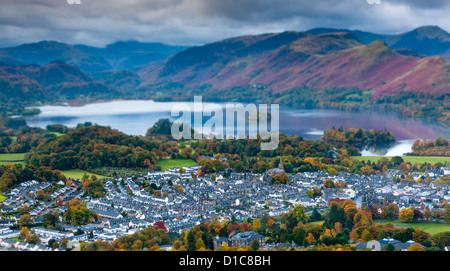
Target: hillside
44, 52
89, 146
424, 41
56, 80
290, 59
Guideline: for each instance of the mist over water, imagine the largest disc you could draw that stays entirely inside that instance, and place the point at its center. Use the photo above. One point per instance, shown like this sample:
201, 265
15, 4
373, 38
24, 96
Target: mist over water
135, 117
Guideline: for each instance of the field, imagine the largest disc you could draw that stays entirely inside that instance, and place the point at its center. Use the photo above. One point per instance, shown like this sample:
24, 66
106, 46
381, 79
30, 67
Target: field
431, 228
78, 174
57, 134
171, 163
411, 159
12, 158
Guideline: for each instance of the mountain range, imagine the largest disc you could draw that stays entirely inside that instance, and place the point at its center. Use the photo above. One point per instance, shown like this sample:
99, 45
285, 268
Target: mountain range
425, 40
318, 58
116, 56
289, 59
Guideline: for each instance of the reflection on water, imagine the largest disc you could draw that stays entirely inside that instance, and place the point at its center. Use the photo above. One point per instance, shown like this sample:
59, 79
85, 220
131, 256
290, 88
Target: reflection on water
398, 148
135, 117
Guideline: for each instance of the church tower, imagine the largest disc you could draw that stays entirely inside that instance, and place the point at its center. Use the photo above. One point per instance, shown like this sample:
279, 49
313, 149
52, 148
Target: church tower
280, 165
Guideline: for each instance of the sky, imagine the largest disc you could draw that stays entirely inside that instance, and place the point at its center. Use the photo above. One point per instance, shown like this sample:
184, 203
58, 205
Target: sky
197, 22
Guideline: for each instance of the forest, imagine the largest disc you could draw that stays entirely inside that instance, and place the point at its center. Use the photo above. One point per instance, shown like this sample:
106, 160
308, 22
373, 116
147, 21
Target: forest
357, 135
438, 147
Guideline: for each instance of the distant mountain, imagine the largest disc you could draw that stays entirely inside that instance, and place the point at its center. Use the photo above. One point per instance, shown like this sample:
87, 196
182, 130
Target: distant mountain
117, 56
131, 54
318, 58
44, 52
427, 40
286, 60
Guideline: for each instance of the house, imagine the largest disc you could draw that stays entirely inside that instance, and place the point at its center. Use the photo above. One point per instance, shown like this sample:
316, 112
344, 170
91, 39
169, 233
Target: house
46, 233
243, 239
378, 245
274, 172
79, 238
218, 241
446, 170
107, 214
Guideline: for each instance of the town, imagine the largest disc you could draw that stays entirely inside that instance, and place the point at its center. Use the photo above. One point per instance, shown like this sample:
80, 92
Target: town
184, 200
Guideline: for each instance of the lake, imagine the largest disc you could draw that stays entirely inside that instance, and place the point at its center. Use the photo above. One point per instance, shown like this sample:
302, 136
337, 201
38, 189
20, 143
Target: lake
136, 116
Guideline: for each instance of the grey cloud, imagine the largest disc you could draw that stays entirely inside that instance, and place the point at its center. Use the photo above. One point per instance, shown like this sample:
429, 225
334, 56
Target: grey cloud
97, 22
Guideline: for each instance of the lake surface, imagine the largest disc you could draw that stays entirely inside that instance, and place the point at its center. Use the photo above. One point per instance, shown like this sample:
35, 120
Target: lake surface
135, 117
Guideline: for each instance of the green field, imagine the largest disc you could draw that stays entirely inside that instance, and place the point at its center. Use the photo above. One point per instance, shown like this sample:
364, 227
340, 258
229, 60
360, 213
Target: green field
12, 158
431, 228
411, 159
57, 134
2, 198
78, 174
171, 163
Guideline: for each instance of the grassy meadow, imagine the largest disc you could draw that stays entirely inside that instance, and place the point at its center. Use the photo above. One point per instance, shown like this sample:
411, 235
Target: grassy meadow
78, 174
12, 158
411, 159
171, 163
431, 228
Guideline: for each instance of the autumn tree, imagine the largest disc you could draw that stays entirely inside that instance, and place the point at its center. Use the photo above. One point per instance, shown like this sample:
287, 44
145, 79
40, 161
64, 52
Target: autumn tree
362, 219
389, 212
24, 233
256, 224
406, 215
416, 247
328, 183
33, 239
25, 220
78, 214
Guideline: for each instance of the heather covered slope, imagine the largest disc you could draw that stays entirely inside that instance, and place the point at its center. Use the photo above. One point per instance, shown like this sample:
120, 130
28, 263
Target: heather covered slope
291, 59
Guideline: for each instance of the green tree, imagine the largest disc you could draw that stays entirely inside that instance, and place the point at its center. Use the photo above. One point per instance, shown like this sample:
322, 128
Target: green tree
300, 213
335, 215
199, 244
50, 219
6, 181
33, 239
191, 241
254, 245
447, 213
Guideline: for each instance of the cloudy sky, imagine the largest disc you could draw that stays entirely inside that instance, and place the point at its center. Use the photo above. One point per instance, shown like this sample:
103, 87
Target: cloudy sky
194, 22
